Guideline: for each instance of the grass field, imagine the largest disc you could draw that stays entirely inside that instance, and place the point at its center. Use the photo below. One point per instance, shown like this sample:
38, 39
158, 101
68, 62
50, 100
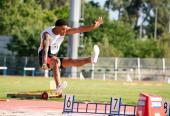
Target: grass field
87, 90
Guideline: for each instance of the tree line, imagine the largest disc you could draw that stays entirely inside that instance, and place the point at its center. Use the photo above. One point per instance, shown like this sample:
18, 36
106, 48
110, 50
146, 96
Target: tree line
142, 28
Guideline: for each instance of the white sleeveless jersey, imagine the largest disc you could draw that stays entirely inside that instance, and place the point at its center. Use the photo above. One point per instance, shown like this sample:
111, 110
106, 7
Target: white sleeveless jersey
55, 41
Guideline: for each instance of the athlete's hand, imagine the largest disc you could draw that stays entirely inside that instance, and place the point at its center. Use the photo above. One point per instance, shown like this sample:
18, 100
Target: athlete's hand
45, 67
98, 22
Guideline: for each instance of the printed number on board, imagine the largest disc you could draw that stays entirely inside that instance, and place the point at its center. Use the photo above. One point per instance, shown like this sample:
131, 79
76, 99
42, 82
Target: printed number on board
166, 108
115, 104
68, 103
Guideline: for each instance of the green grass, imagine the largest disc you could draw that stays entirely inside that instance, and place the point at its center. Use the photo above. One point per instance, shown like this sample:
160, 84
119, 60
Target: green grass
87, 90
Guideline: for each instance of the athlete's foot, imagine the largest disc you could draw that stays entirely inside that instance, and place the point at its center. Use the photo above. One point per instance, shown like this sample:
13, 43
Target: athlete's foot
61, 87
95, 54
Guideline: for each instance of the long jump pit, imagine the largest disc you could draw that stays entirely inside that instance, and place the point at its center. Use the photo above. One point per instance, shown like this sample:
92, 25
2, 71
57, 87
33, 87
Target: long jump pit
17, 107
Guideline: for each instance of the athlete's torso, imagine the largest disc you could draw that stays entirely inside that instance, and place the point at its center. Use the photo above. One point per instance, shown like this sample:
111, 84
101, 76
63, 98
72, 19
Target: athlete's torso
55, 40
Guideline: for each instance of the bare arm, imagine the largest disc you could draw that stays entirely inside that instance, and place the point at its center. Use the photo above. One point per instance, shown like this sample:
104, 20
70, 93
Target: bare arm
46, 44
98, 22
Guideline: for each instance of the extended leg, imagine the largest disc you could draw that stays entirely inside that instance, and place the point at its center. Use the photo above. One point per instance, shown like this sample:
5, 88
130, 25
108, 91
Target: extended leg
83, 61
75, 62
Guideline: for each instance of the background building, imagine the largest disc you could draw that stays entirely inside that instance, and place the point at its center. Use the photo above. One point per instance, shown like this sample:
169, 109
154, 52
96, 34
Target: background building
4, 40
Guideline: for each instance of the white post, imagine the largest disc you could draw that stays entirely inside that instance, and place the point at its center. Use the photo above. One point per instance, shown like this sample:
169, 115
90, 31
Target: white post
139, 73
92, 71
73, 41
129, 75
104, 74
46, 73
116, 68
163, 68
168, 80
81, 76
163, 65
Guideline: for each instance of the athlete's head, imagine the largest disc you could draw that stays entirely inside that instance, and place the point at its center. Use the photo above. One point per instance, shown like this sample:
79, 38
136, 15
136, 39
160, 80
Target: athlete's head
61, 26
60, 22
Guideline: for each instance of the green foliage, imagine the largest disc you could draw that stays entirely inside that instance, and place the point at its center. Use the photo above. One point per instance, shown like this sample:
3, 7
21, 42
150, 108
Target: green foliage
25, 25
131, 10
110, 36
143, 49
52, 4
25, 19
164, 43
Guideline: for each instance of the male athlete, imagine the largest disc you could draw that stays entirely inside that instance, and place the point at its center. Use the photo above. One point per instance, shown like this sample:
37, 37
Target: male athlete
51, 39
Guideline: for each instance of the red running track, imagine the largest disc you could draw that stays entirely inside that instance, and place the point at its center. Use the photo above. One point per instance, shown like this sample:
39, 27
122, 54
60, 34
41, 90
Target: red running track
36, 106
14, 104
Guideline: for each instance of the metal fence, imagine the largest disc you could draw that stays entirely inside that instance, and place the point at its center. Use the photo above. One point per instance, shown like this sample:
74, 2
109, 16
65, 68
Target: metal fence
107, 68
128, 69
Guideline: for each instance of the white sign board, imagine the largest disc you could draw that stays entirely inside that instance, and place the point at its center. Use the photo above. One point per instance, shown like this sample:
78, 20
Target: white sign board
115, 105
68, 103
166, 106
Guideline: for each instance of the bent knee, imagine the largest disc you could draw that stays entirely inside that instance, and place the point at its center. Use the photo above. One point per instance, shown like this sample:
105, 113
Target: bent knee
56, 63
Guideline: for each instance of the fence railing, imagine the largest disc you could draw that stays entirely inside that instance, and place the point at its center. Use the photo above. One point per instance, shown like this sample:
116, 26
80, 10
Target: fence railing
106, 68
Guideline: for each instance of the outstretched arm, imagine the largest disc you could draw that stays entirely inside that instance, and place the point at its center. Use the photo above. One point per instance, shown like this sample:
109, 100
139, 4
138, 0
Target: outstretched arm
97, 23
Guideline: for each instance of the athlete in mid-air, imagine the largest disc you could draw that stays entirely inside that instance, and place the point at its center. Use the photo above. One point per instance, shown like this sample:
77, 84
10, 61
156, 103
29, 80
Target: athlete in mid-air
51, 39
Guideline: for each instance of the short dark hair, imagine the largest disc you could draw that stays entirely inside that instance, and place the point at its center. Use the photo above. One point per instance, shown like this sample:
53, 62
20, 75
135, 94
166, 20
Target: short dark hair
60, 22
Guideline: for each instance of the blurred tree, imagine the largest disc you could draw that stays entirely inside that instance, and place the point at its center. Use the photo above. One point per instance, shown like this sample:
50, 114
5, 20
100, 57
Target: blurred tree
164, 42
143, 11
110, 36
117, 38
53, 4
147, 48
94, 4
158, 26
24, 20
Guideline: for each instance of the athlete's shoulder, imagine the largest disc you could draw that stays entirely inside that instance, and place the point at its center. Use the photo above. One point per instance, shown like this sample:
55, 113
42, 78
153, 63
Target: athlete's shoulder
48, 29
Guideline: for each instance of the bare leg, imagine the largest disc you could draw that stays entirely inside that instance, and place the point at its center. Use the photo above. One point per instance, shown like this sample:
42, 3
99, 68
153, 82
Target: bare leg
55, 64
56, 74
75, 62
